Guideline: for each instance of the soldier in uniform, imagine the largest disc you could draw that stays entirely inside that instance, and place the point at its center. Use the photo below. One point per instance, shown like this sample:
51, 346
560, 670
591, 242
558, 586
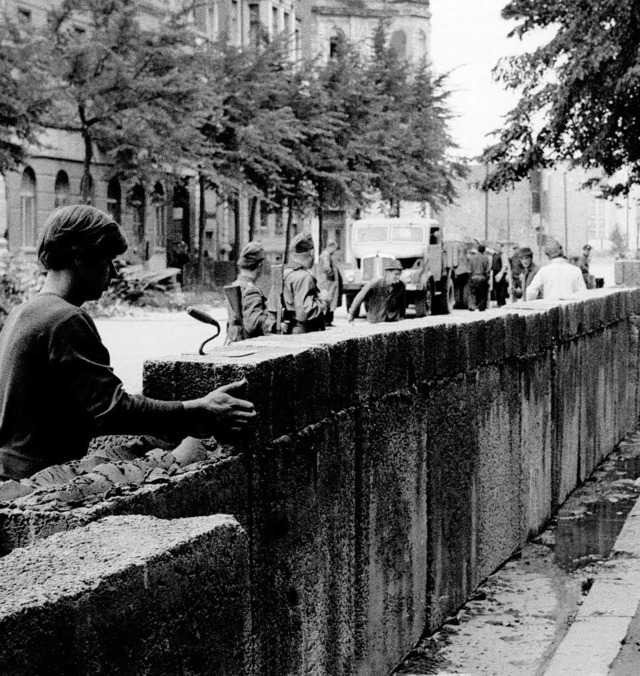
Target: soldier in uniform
386, 297
253, 319
304, 305
329, 280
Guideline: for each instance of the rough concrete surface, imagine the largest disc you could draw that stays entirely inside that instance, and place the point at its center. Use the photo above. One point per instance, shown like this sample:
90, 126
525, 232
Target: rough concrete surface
127, 595
392, 468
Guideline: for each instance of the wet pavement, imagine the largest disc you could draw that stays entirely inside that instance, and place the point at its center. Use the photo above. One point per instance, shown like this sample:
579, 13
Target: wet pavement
522, 613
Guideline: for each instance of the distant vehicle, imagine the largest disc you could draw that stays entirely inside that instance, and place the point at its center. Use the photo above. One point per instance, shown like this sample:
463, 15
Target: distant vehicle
435, 273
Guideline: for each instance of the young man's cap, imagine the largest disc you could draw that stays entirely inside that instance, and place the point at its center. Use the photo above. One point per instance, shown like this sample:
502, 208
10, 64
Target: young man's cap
302, 243
525, 251
251, 254
393, 264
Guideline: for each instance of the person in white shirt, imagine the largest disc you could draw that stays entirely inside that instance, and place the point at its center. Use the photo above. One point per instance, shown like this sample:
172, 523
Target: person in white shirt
557, 280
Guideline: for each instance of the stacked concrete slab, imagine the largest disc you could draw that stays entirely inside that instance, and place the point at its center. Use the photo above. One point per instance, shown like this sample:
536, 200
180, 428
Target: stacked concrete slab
393, 467
127, 595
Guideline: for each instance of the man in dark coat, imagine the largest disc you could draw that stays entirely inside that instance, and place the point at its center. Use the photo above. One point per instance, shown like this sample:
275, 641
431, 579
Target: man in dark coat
385, 297
479, 267
253, 319
328, 277
304, 305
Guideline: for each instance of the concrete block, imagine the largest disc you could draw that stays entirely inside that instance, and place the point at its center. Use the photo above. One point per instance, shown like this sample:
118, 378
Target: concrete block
302, 522
391, 553
216, 487
567, 395
535, 446
495, 340
128, 595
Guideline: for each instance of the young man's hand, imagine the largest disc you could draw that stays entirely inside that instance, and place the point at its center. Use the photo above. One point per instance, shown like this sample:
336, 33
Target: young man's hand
222, 412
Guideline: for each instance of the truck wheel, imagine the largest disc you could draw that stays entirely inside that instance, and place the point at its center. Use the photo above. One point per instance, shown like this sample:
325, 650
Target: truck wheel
424, 302
446, 301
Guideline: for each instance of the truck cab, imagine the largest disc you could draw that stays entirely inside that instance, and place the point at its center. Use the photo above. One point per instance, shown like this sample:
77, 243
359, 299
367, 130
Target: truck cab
430, 266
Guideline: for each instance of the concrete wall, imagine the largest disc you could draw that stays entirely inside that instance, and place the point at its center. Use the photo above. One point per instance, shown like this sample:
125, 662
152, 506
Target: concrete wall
127, 595
392, 468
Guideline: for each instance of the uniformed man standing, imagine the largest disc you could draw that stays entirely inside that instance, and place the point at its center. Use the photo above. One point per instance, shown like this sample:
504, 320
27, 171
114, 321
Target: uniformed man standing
386, 297
253, 319
328, 277
304, 305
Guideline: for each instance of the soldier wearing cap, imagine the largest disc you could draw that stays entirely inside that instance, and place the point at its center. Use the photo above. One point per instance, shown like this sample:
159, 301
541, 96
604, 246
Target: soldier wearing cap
583, 263
254, 319
386, 297
304, 305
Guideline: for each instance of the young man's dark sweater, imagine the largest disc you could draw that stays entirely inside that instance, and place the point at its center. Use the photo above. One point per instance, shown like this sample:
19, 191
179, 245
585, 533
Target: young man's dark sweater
57, 389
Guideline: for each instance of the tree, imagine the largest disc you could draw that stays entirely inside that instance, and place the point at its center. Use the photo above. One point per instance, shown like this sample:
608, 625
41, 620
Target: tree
580, 92
410, 130
125, 88
24, 91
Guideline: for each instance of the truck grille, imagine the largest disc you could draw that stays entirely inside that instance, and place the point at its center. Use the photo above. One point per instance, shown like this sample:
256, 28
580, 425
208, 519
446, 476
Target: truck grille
373, 267
368, 269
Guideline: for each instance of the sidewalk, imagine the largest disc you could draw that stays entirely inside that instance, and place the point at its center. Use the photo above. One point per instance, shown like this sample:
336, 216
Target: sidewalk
604, 638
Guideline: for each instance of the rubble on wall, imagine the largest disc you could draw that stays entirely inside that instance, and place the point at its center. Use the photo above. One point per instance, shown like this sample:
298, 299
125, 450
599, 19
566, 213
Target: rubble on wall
111, 469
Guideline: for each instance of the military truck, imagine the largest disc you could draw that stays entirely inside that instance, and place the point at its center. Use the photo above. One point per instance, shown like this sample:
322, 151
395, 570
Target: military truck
435, 273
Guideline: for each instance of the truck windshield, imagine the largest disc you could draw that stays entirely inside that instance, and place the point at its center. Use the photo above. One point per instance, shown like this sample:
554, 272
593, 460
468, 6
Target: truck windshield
407, 233
373, 234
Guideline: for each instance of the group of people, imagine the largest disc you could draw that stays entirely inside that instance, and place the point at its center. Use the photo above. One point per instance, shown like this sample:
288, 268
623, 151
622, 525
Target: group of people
310, 293
58, 390
521, 278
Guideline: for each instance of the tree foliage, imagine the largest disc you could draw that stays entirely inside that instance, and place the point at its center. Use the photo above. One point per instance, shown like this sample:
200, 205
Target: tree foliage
580, 92
24, 91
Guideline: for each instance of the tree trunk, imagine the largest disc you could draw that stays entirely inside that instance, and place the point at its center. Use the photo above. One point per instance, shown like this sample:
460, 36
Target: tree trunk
287, 235
252, 217
202, 222
86, 181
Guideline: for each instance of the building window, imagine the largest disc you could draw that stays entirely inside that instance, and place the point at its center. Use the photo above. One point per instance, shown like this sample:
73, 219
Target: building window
399, 43
334, 46
597, 218
204, 17
279, 222
61, 190
422, 44
28, 208
264, 217
160, 212
275, 21
137, 202
254, 25
114, 200
234, 22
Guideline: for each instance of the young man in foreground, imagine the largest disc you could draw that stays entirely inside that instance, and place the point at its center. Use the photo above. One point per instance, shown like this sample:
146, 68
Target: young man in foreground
385, 297
57, 389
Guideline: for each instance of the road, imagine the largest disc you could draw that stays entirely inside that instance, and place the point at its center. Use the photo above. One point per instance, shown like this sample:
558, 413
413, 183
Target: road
131, 340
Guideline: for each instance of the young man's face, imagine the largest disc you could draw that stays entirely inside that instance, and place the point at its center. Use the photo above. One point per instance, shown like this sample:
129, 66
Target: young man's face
94, 275
393, 276
526, 261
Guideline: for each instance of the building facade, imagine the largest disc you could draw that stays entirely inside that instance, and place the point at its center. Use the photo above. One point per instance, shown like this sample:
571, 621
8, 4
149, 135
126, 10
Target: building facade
157, 218
553, 204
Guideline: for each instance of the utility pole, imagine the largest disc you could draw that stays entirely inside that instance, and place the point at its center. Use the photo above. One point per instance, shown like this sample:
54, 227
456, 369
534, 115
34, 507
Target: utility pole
566, 219
486, 208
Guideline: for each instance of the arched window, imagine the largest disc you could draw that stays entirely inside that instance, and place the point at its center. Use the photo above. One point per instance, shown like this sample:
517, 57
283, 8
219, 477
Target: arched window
422, 44
61, 190
114, 200
87, 189
28, 207
160, 212
399, 43
137, 201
